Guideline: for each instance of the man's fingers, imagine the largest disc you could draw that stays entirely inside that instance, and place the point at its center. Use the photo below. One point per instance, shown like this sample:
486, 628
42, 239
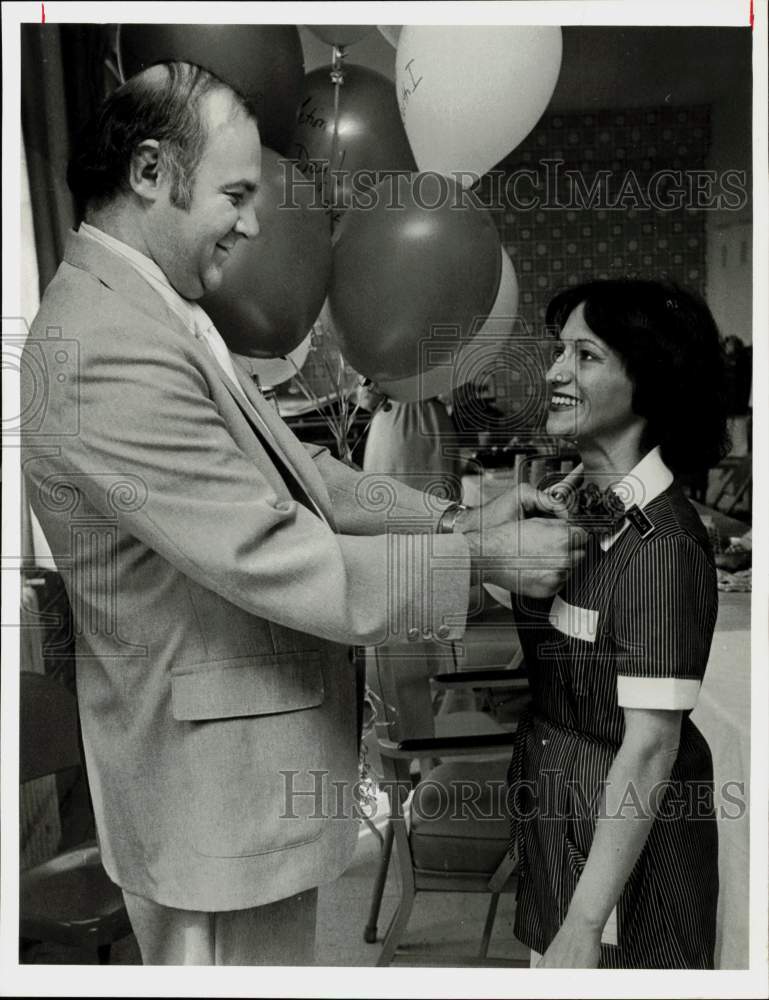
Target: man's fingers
534, 501
578, 537
561, 495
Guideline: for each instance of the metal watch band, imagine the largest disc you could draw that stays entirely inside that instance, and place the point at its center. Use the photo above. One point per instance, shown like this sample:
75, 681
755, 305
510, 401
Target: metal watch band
449, 518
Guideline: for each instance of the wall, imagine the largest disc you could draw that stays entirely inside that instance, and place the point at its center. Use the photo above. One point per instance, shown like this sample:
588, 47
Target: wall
729, 286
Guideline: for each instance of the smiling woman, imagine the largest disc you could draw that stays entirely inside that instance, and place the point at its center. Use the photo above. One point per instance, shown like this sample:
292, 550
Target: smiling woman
657, 341
612, 872
592, 392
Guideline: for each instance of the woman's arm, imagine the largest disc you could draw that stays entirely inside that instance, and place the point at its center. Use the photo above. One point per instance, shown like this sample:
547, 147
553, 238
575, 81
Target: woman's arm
645, 759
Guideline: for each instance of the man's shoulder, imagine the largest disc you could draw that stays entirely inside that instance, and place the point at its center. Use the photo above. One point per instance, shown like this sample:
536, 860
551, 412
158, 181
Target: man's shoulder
78, 305
76, 301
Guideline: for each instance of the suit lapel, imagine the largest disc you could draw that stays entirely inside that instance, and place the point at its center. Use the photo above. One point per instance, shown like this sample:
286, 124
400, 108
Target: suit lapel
290, 449
120, 276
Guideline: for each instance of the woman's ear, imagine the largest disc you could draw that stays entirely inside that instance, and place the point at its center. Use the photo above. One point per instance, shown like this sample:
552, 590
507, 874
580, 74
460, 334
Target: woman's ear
144, 174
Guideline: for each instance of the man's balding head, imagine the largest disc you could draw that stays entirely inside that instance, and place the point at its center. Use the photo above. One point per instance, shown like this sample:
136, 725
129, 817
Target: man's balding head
166, 103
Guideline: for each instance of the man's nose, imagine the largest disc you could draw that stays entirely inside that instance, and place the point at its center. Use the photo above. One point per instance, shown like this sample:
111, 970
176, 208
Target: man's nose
248, 224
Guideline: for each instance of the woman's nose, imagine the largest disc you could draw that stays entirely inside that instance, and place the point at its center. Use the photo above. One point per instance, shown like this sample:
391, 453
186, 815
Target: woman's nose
559, 371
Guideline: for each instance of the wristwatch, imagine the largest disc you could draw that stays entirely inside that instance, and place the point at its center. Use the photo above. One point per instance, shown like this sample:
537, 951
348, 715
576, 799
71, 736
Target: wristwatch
448, 518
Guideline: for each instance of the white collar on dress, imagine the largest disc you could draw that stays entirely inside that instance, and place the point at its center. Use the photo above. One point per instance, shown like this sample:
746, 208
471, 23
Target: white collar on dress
638, 488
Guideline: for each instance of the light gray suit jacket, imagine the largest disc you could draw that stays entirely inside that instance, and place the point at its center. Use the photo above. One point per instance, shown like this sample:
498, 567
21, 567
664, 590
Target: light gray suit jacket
213, 613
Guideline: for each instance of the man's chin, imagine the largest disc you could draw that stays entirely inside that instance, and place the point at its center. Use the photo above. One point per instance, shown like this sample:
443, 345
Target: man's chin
211, 281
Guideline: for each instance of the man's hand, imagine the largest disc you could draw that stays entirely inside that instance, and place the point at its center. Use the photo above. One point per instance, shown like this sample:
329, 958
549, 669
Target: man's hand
512, 505
531, 556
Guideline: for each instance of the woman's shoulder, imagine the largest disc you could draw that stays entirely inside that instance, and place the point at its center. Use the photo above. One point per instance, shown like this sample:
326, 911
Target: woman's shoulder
674, 520
674, 550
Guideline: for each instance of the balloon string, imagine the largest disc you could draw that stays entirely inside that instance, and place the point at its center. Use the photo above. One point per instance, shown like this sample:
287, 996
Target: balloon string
119, 56
337, 78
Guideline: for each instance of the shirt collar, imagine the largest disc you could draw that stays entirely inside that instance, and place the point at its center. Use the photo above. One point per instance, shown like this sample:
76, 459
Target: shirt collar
139, 260
638, 488
191, 314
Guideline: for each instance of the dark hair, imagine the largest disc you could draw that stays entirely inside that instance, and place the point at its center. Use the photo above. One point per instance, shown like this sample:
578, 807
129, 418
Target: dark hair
151, 105
673, 354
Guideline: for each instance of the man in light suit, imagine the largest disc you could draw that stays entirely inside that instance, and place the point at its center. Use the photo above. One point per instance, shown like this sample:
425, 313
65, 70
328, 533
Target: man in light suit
218, 570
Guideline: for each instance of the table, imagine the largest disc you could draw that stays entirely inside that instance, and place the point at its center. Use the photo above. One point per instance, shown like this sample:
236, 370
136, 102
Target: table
722, 714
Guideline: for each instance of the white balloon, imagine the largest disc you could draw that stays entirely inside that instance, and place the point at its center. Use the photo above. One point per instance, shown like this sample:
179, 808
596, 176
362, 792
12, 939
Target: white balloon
469, 95
391, 32
275, 371
473, 358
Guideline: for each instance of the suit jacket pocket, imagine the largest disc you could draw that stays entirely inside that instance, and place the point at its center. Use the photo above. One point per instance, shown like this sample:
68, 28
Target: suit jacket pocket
245, 738
247, 685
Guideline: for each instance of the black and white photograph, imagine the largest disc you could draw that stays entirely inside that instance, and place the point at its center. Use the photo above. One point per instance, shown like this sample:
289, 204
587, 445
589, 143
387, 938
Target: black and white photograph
381, 419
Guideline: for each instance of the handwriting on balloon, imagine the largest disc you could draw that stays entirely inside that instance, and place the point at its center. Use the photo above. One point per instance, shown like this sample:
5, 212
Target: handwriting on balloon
408, 88
309, 117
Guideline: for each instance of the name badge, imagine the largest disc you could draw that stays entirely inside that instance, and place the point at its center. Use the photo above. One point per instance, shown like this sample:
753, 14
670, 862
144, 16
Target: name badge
640, 521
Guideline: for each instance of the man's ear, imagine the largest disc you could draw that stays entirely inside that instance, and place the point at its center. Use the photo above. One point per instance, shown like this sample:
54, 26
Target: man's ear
144, 174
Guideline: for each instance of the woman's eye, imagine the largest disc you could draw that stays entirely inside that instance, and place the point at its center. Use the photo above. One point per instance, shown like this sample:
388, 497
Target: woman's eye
557, 351
585, 355
234, 197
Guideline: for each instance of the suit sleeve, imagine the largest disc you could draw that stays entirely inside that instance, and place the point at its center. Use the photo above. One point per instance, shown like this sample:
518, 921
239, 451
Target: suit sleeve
665, 607
147, 418
364, 501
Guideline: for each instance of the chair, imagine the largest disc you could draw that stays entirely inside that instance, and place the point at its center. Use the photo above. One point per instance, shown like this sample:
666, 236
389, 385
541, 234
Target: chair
735, 485
68, 899
449, 829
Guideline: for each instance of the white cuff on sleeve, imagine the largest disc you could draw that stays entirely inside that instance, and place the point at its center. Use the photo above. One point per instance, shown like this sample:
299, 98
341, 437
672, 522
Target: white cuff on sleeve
657, 692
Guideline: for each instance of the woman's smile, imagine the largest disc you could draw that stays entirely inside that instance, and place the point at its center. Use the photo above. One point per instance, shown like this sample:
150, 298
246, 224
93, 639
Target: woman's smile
563, 401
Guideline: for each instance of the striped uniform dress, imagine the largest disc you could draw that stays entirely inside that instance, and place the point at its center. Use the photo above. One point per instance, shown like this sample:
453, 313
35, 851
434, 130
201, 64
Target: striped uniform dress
631, 628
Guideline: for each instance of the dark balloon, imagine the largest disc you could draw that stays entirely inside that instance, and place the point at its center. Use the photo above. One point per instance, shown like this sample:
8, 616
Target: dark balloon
263, 61
275, 284
398, 273
371, 133
340, 34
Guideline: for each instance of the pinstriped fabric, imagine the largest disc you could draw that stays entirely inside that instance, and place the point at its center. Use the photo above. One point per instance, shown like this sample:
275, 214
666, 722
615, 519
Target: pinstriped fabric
655, 603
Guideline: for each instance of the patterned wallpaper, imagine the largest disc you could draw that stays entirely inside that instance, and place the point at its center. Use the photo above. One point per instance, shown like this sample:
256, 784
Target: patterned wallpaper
628, 229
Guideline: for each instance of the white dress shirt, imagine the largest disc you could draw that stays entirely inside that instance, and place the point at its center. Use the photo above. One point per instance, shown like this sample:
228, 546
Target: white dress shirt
191, 314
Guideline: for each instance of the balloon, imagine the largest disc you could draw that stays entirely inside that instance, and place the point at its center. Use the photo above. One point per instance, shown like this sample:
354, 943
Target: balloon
340, 34
391, 32
468, 95
274, 285
398, 272
263, 61
370, 132
276, 371
471, 361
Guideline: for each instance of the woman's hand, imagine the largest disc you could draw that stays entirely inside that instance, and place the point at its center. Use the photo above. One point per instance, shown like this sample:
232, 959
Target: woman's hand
575, 946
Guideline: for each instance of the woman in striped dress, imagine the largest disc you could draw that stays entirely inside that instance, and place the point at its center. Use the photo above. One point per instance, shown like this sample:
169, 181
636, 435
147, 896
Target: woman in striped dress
611, 783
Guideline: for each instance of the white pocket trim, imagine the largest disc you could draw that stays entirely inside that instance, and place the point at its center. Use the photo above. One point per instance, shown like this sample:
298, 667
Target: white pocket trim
579, 623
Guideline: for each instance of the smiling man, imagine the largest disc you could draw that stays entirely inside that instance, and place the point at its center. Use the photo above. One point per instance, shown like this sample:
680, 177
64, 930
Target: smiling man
218, 571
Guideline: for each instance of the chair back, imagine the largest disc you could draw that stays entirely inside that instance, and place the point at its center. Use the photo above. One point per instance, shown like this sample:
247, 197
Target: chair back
47, 727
